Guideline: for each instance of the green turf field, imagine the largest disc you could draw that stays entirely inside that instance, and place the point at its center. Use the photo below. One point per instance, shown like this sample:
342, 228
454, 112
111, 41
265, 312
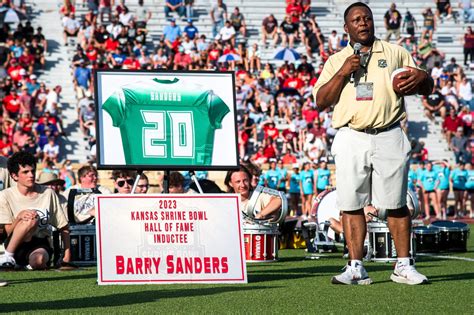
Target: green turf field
291, 285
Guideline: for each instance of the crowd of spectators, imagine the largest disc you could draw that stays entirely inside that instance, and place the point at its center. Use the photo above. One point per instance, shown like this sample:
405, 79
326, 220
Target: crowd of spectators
277, 117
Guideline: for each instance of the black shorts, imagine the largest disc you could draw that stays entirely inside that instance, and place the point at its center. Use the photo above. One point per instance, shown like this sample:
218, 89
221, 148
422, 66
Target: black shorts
23, 252
429, 191
457, 189
470, 191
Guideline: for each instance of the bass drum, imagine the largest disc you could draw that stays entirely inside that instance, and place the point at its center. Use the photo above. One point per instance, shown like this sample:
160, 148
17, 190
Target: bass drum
252, 206
324, 208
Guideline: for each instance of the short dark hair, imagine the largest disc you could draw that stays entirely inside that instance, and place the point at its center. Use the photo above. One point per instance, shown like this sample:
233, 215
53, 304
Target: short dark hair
18, 159
122, 173
176, 179
355, 4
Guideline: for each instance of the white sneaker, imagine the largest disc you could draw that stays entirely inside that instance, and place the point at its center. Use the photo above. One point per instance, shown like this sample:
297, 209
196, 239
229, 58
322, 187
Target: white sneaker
407, 274
7, 261
3, 283
352, 275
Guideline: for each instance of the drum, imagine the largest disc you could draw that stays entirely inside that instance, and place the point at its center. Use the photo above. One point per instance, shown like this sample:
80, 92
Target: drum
324, 208
261, 242
452, 235
83, 249
250, 210
426, 239
381, 247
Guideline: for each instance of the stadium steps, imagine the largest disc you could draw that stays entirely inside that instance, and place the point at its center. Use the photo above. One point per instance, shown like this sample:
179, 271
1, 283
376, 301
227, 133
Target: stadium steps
58, 72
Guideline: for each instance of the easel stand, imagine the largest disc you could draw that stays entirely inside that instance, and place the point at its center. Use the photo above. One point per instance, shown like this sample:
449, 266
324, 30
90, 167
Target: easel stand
137, 179
194, 178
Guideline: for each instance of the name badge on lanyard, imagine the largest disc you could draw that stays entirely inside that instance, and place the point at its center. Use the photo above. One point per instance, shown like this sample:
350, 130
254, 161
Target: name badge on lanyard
365, 91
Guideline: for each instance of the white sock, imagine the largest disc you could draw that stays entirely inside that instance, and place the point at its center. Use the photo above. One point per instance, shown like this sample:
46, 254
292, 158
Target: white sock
8, 254
355, 262
403, 260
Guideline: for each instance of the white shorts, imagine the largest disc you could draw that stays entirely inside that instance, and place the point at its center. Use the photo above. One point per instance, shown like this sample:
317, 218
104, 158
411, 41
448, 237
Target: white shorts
371, 169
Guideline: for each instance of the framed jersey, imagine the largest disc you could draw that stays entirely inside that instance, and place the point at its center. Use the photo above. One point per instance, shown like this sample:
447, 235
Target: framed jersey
165, 120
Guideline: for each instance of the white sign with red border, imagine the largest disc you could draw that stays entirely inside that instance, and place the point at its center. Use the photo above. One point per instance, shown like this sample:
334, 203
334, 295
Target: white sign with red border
169, 239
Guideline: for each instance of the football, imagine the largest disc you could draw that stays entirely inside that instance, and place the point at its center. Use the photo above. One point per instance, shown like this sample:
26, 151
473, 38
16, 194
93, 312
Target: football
397, 80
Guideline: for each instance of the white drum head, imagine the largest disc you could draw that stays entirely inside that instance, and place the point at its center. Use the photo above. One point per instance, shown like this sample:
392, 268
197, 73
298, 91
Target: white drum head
326, 208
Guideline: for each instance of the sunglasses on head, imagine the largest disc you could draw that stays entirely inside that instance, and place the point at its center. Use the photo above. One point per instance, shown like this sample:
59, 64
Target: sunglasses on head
121, 183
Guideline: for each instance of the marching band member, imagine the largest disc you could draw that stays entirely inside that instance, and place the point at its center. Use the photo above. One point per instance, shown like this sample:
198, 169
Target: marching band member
238, 181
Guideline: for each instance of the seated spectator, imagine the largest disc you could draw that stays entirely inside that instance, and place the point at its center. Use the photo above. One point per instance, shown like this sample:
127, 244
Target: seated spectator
53, 106
145, 60
105, 7
191, 30
443, 8
123, 181
451, 124
238, 22
51, 150
27, 230
37, 51
334, 41
160, 60
86, 115
434, 104
67, 8
170, 33
269, 30
27, 61
82, 79
294, 10
114, 28
40, 100
227, 33
288, 31
126, 16
11, 104
25, 100
450, 94
465, 96
14, 70
116, 58
100, 37
181, 60
71, 27
175, 6
266, 102
254, 55
131, 63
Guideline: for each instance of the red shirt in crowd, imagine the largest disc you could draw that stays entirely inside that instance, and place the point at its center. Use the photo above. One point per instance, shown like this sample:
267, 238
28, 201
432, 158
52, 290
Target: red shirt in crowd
288, 158
295, 10
269, 152
111, 44
214, 54
182, 60
26, 60
310, 114
14, 72
451, 124
91, 53
289, 135
132, 64
295, 83
12, 103
271, 131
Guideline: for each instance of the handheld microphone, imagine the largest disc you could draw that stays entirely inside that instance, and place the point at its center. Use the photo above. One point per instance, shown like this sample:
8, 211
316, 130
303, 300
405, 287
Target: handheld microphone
357, 47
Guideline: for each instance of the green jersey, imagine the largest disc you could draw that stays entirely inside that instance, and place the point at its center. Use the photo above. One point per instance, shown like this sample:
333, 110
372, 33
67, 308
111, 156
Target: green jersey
166, 122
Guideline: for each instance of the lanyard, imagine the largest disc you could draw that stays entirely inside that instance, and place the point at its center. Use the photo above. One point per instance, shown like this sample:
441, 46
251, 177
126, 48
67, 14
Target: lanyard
365, 66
